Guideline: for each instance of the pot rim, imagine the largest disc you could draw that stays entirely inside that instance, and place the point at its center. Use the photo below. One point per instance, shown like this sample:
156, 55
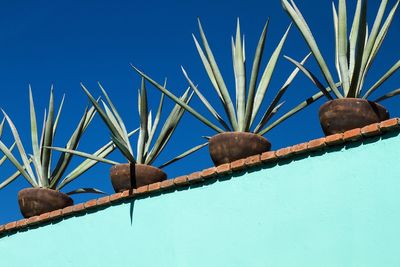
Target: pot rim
351, 99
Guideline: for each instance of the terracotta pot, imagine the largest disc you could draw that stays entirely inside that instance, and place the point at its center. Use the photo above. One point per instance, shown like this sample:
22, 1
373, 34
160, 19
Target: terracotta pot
129, 176
35, 201
340, 115
230, 146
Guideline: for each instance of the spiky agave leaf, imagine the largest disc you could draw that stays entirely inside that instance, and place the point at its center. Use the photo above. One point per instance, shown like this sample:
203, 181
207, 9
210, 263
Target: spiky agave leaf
86, 190
143, 114
168, 128
352, 65
102, 152
305, 30
178, 101
184, 154
118, 134
247, 108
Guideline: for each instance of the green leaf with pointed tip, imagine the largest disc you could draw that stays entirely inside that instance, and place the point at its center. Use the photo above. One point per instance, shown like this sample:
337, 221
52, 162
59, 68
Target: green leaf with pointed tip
34, 135
58, 115
155, 124
116, 114
208, 69
168, 128
240, 79
336, 28
311, 77
205, 102
83, 155
2, 126
184, 154
371, 40
114, 121
267, 115
48, 141
10, 179
342, 47
102, 152
357, 47
299, 107
382, 35
143, 113
267, 75
65, 159
301, 24
122, 147
21, 168
4, 158
102, 113
254, 76
230, 110
179, 102
85, 191
388, 95
386, 76
24, 157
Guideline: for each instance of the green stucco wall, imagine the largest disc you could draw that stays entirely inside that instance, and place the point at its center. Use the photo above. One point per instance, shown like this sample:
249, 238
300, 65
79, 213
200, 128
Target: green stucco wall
340, 208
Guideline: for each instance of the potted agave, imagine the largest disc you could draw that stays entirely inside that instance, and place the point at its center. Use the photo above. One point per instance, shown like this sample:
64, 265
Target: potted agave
242, 134
45, 195
139, 170
348, 106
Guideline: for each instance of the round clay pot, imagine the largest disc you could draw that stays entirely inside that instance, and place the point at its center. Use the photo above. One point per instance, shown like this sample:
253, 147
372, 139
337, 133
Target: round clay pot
129, 176
340, 115
230, 146
36, 201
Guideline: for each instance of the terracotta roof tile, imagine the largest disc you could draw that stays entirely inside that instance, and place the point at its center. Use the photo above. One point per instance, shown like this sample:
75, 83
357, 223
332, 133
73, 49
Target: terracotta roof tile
352, 135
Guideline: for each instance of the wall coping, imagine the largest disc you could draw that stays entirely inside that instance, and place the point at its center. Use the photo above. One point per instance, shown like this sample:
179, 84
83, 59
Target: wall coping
199, 177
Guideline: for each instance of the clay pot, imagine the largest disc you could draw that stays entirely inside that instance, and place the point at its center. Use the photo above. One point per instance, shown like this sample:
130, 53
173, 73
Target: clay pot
129, 176
340, 115
230, 146
36, 201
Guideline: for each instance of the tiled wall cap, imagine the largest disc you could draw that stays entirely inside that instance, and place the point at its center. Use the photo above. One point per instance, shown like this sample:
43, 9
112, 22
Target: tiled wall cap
209, 173
284, 152
78, 207
91, 203
224, 169
269, 156
334, 139
195, 177
371, 130
56, 213
300, 148
181, 180
316, 144
167, 184
388, 125
141, 190
155, 187
238, 165
252, 161
352, 135
21, 223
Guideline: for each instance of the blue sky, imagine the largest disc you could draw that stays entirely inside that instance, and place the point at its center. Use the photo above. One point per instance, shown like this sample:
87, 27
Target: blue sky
68, 42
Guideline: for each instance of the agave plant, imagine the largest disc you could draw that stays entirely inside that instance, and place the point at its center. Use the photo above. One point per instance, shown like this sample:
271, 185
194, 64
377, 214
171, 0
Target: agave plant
149, 145
42, 175
355, 52
249, 95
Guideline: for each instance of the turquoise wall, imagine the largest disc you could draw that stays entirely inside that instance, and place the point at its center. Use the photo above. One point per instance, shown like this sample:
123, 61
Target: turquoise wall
340, 208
